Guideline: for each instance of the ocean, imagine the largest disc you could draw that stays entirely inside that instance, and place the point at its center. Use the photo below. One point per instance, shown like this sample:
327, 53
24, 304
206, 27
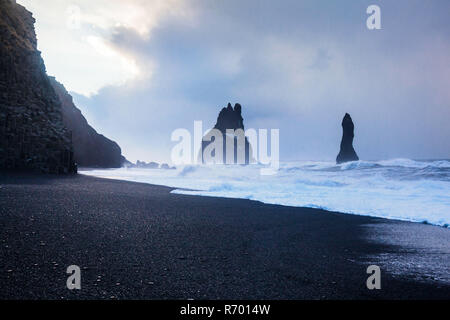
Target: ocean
401, 189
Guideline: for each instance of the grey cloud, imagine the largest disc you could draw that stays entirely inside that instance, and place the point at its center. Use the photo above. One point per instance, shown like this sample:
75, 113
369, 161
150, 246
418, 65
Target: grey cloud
294, 65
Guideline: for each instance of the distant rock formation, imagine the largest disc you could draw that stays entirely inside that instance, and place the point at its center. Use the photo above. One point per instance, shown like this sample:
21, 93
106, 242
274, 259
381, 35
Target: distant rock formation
230, 118
90, 148
32, 132
347, 153
149, 165
143, 164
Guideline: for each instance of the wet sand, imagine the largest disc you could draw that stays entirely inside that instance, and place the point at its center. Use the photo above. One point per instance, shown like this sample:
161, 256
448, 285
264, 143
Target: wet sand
139, 241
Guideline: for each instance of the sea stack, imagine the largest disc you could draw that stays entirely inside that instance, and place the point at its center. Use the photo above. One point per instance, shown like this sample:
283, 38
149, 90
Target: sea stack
32, 132
347, 153
231, 118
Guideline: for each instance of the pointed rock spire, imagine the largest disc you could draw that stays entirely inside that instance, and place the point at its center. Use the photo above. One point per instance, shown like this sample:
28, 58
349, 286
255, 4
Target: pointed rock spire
347, 153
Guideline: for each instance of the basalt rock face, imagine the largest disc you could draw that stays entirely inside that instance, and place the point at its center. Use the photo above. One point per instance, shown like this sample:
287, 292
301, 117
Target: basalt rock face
231, 118
90, 148
347, 153
32, 132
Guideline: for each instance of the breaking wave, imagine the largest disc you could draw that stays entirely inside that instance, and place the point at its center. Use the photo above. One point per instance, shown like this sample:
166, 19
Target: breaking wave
402, 189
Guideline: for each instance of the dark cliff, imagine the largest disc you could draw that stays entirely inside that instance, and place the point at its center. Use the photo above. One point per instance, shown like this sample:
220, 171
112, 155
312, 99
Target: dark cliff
32, 132
231, 118
347, 153
40, 127
90, 148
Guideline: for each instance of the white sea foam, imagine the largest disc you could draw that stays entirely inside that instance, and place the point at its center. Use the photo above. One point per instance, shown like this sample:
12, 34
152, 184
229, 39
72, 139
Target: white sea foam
395, 189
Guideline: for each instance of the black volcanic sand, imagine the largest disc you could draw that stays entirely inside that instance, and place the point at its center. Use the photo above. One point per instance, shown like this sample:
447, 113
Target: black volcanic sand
139, 241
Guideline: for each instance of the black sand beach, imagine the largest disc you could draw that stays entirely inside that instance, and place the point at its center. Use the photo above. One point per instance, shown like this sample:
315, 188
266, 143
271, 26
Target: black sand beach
139, 241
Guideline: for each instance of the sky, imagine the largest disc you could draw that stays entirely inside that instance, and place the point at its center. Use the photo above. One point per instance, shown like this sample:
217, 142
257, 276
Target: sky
139, 69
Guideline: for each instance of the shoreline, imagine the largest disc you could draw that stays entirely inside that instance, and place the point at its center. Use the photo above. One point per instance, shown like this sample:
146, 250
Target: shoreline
193, 192
445, 226
143, 242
